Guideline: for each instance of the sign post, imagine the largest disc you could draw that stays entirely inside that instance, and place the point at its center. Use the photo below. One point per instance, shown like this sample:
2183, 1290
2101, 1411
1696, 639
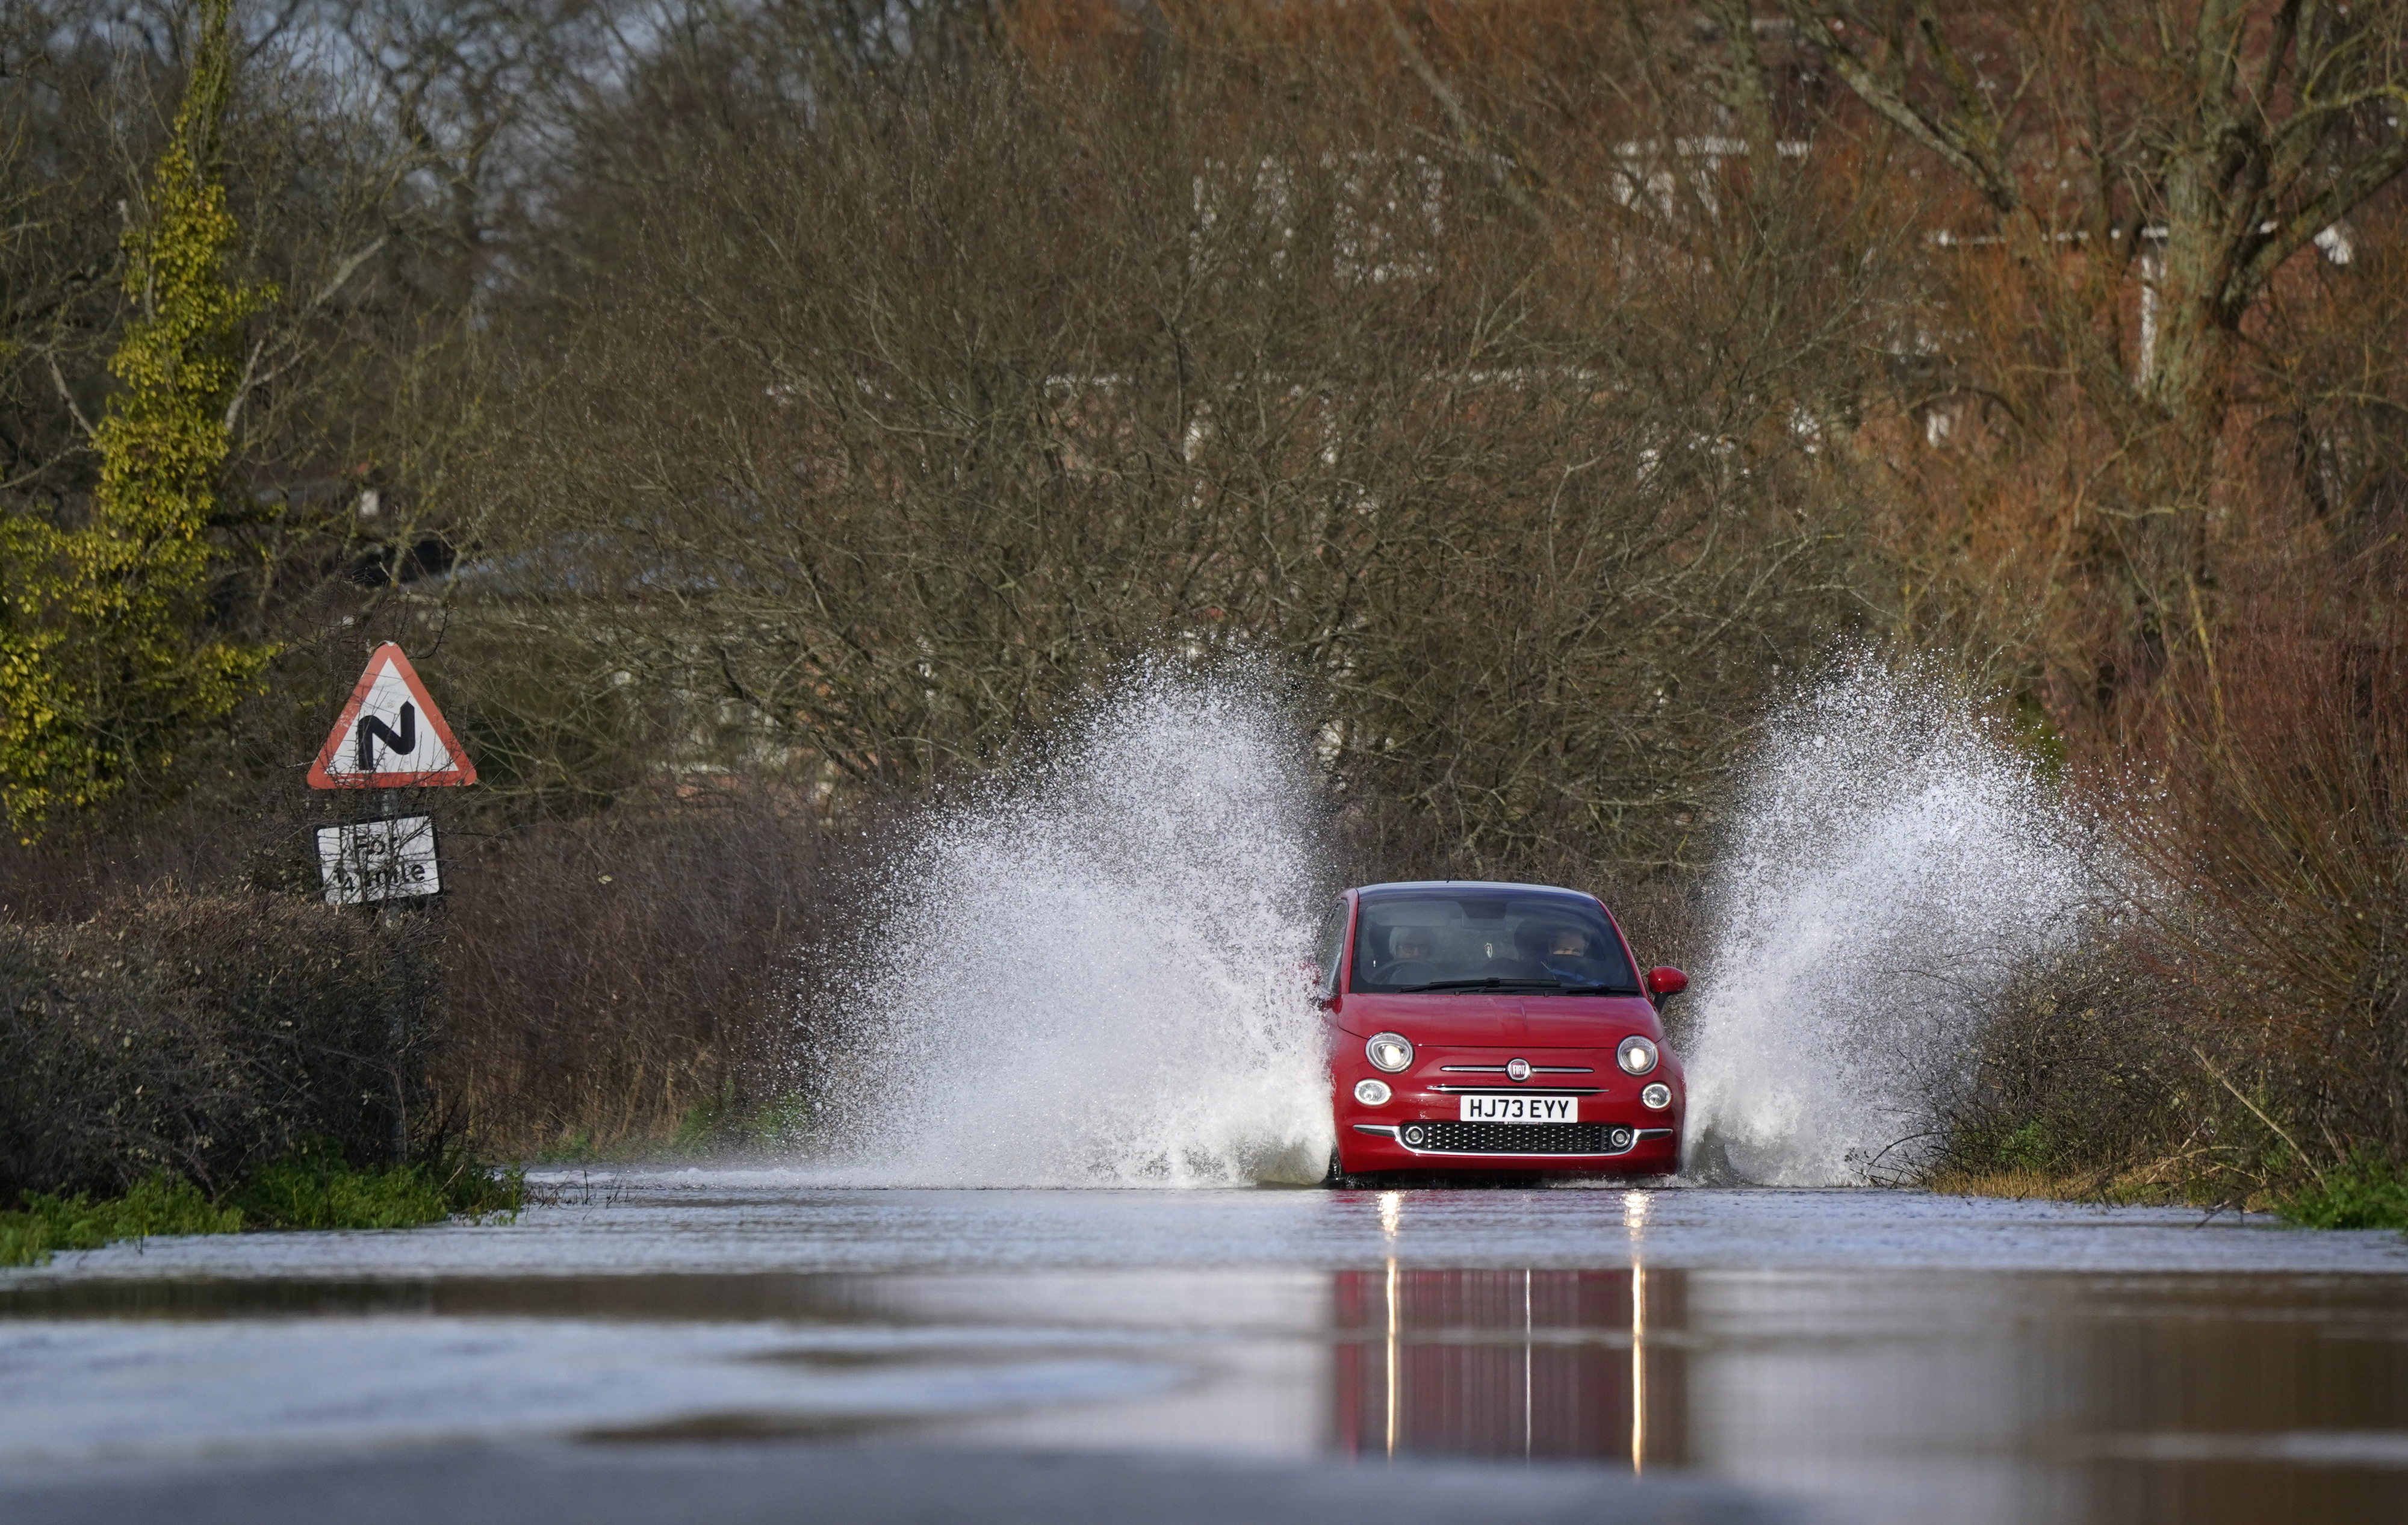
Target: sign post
390, 736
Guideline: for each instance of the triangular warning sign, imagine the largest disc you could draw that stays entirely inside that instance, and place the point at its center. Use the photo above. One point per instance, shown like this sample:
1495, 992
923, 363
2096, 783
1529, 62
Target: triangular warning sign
391, 735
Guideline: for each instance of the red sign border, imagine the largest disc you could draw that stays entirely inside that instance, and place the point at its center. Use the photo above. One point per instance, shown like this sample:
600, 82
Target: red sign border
460, 772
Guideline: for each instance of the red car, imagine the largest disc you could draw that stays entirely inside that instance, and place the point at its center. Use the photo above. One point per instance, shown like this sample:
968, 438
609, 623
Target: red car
1494, 1029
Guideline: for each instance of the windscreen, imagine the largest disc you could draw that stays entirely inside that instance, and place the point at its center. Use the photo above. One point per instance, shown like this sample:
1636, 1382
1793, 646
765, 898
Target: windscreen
1473, 940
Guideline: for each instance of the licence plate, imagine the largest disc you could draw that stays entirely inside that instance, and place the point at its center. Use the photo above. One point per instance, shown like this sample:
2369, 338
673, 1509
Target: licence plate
1520, 1109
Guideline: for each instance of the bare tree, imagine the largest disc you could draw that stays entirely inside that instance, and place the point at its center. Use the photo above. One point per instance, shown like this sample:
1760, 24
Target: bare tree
2190, 151
889, 421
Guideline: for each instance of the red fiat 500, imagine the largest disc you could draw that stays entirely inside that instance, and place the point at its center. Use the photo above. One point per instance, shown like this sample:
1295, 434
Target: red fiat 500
1493, 1027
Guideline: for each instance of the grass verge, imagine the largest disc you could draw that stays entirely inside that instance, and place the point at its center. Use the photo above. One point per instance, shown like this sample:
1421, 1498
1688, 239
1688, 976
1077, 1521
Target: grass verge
2364, 1194
2127, 1189
716, 1127
161, 1205
315, 1188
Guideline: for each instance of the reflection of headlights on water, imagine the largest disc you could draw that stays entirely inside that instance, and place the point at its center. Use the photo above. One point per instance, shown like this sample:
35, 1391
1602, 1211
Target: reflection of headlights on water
1390, 1051
1371, 1093
1658, 1096
1636, 1055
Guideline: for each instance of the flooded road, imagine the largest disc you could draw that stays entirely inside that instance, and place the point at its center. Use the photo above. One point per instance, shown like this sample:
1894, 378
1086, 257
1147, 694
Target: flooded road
1856, 1355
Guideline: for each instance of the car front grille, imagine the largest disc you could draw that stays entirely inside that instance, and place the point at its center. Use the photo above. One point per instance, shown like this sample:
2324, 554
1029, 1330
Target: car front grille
1518, 1138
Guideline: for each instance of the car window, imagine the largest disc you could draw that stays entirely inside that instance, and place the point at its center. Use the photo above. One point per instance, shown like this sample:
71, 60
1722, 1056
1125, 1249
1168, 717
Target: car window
1409, 940
1328, 944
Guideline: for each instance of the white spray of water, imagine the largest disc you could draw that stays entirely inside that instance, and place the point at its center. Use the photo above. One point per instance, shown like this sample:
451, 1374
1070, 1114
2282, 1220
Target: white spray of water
1089, 973
1895, 864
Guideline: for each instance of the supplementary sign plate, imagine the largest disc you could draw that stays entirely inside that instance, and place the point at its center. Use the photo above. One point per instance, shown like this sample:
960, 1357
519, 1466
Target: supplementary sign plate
391, 735
379, 860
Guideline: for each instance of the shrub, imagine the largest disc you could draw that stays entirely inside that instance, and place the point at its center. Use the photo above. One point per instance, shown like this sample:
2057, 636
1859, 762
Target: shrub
2240, 1037
206, 1035
631, 972
2281, 835
2079, 1074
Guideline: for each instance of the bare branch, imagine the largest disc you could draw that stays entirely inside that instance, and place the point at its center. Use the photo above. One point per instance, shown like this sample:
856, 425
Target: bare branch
1947, 138
51, 358
1508, 168
2351, 190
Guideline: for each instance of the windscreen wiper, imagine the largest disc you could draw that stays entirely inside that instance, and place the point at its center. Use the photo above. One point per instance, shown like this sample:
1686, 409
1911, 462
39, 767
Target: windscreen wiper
1491, 982
1599, 990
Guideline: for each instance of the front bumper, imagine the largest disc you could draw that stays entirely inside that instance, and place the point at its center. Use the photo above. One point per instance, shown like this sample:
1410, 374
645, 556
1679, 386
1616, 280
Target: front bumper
1421, 1127
1541, 1141
1368, 1148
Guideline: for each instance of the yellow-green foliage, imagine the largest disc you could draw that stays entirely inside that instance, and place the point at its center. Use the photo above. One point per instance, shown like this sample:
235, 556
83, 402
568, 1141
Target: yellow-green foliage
103, 661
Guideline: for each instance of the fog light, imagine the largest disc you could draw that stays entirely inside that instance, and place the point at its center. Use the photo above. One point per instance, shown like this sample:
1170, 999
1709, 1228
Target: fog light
1414, 1135
1636, 1055
1390, 1051
1621, 1138
1658, 1096
1374, 1093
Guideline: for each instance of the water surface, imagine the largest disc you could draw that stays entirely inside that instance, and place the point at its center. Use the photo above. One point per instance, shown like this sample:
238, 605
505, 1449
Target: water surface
1871, 1355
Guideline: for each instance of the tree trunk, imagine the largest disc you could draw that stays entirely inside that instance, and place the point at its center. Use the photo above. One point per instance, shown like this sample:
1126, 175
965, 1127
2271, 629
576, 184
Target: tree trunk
2186, 382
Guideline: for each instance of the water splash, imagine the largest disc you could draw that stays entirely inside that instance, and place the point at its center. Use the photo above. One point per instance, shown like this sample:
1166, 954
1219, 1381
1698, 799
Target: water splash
1895, 863
1088, 973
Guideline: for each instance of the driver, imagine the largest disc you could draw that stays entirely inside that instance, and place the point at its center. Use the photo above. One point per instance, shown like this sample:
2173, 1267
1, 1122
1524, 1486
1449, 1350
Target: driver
1567, 958
1412, 945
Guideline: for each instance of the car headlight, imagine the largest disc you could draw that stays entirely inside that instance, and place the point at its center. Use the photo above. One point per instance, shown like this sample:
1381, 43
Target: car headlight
1657, 1096
1636, 1056
1371, 1093
1389, 1051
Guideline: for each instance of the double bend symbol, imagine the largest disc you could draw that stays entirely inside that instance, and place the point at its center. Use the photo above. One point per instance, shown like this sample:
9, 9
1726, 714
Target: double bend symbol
402, 743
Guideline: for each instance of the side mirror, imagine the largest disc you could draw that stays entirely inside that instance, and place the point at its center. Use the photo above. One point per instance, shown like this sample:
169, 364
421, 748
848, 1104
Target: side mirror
1664, 982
